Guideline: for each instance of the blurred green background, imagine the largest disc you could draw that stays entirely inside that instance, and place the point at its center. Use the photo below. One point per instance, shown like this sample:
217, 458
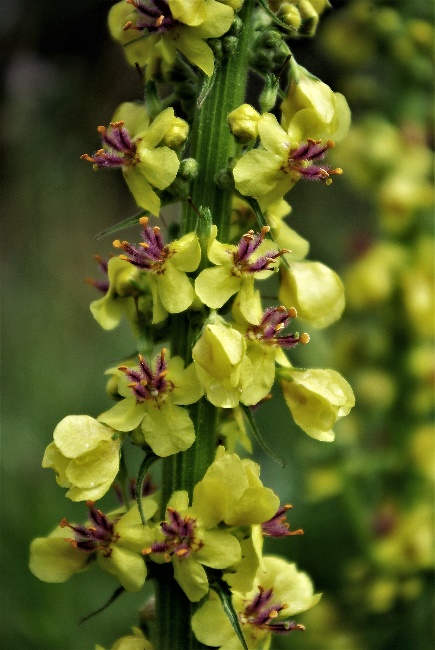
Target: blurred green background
62, 76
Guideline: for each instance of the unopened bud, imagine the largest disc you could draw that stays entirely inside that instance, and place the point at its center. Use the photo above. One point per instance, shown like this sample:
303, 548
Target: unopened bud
229, 45
188, 169
243, 122
290, 15
176, 134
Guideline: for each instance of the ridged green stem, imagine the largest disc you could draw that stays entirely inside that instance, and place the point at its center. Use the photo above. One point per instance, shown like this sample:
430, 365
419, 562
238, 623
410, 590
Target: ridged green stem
212, 146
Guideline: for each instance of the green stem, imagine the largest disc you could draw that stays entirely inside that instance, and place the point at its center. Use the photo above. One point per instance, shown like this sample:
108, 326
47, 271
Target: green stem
212, 146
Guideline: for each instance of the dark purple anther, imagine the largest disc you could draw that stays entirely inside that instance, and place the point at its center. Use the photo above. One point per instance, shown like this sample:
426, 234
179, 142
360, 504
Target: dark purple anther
145, 383
247, 246
179, 534
118, 147
274, 320
98, 535
150, 254
277, 526
154, 16
101, 285
262, 613
301, 161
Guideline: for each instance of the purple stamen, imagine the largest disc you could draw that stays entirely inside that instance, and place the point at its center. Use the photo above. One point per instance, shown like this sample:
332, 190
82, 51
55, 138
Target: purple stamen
145, 383
154, 16
274, 320
301, 161
180, 537
118, 147
262, 613
151, 255
248, 244
277, 525
99, 535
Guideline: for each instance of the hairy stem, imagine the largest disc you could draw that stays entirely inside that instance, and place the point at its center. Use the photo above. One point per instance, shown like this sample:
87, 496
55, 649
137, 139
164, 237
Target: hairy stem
212, 146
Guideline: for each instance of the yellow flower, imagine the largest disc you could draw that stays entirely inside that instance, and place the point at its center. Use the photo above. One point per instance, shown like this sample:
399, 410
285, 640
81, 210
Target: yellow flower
174, 25
131, 143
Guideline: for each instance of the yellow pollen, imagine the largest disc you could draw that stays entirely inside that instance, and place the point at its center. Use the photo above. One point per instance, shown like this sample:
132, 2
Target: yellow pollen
87, 157
101, 130
304, 338
337, 170
117, 125
117, 244
143, 221
181, 552
146, 551
265, 230
124, 258
143, 244
132, 385
292, 313
122, 368
330, 144
156, 229
143, 382
160, 20
279, 327
273, 613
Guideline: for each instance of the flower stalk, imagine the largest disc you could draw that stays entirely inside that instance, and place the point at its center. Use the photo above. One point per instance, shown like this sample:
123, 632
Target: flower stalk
193, 298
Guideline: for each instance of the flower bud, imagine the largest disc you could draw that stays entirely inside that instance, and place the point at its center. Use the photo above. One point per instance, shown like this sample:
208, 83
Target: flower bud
176, 134
290, 15
229, 45
243, 123
317, 398
188, 169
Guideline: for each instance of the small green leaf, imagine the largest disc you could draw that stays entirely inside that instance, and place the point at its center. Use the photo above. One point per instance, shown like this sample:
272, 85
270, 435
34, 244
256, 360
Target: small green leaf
153, 103
149, 459
207, 86
259, 438
111, 600
126, 223
224, 592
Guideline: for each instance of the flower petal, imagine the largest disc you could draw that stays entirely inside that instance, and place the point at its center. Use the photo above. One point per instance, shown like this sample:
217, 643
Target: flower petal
167, 428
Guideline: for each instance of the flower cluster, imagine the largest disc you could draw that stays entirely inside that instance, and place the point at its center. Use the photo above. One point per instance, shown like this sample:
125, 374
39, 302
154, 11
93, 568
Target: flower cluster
211, 340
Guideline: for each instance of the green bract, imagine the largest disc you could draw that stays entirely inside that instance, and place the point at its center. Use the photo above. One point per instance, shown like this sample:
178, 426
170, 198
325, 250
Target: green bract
291, 593
165, 426
317, 399
194, 21
314, 290
85, 457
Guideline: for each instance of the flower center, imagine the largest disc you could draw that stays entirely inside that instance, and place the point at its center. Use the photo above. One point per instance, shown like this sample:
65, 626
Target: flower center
97, 536
118, 148
261, 612
149, 255
302, 159
248, 244
154, 16
274, 320
145, 383
179, 537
